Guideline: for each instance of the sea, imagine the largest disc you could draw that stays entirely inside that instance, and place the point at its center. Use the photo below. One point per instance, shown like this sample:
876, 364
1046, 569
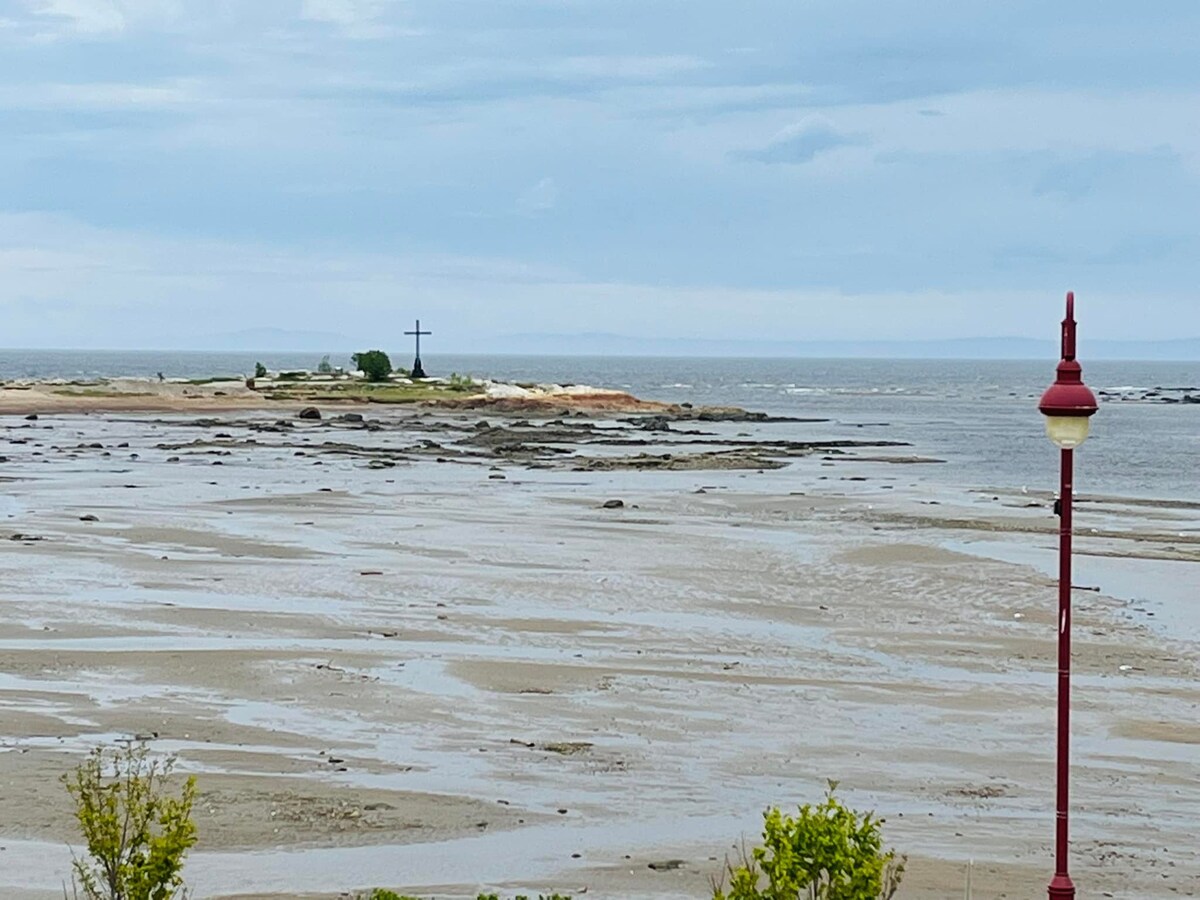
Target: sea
980, 416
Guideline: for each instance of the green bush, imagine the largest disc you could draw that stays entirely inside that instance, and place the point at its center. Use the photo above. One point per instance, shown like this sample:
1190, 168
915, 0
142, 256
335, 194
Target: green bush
325, 367
136, 834
260, 371
381, 894
827, 852
462, 382
373, 363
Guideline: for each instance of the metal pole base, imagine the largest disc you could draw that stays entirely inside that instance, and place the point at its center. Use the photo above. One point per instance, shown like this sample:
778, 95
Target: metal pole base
418, 371
1062, 888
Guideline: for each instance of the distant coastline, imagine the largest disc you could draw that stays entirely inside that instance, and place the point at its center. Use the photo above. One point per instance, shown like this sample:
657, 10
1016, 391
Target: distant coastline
301, 343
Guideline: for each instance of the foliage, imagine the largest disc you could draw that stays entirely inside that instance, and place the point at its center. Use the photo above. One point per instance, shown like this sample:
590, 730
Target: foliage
137, 835
462, 382
260, 371
381, 894
827, 852
325, 367
375, 364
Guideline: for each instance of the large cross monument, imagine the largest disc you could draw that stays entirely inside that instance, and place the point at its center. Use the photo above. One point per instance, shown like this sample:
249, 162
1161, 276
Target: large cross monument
418, 371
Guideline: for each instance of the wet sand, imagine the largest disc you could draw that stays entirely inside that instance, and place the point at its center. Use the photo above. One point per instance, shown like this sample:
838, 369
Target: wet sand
424, 655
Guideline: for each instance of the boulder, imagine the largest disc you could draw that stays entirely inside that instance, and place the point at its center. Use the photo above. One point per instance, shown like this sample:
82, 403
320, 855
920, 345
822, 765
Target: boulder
309, 412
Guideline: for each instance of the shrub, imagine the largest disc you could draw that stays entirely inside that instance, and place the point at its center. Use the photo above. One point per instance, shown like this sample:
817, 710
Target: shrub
827, 852
325, 367
137, 835
373, 363
381, 894
462, 382
260, 371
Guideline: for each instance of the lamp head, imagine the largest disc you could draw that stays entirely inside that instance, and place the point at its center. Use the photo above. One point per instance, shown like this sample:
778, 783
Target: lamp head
1069, 404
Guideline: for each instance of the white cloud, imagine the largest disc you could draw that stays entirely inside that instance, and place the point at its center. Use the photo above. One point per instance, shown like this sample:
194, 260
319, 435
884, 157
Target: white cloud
635, 68
540, 198
84, 16
359, 19
801, 142
97, 96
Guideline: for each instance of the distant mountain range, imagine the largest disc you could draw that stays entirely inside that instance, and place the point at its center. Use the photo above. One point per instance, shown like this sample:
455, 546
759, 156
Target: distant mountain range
959, 348
602, 344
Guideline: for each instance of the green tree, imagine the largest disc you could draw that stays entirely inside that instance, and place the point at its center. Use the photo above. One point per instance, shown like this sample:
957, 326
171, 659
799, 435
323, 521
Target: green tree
260, 371
325, 367
137, 835
373, 363
827, 852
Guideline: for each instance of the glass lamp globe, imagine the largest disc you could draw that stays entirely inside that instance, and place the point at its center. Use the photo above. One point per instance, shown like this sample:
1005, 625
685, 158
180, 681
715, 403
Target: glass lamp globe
1068, 432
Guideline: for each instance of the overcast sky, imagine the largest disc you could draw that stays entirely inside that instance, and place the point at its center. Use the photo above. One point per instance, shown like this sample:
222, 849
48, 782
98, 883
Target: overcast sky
800, 169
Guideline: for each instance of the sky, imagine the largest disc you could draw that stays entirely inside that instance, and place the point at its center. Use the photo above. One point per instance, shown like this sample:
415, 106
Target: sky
175, 171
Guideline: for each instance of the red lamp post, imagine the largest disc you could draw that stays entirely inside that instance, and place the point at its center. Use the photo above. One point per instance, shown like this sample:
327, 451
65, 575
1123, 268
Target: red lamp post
1068, 406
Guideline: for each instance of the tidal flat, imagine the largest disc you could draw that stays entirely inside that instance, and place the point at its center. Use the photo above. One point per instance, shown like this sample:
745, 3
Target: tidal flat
428, 650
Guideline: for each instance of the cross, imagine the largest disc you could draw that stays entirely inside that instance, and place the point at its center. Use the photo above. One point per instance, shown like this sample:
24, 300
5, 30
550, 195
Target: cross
418, 370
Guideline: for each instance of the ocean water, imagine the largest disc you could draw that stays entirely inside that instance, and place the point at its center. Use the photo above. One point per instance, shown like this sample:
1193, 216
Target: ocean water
979, 415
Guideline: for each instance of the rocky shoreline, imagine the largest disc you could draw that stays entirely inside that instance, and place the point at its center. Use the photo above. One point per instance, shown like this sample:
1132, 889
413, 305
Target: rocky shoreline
307, 393
575, 444
1168, 395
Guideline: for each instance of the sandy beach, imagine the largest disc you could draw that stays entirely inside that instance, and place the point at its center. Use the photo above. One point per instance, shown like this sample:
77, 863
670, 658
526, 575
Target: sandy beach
415, 649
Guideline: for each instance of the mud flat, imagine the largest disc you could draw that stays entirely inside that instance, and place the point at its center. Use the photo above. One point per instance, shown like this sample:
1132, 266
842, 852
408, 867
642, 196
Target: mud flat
425, 649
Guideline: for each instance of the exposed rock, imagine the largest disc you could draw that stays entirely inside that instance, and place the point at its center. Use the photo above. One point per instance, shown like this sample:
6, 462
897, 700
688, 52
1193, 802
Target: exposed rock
89, 518
567, 748
680, 462
736, 414
32, 417
309, 412
652, 423
521, 433
614, 504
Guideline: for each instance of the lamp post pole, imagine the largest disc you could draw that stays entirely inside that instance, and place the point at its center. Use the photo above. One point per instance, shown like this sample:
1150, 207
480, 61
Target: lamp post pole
1068, 406
1062, 888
